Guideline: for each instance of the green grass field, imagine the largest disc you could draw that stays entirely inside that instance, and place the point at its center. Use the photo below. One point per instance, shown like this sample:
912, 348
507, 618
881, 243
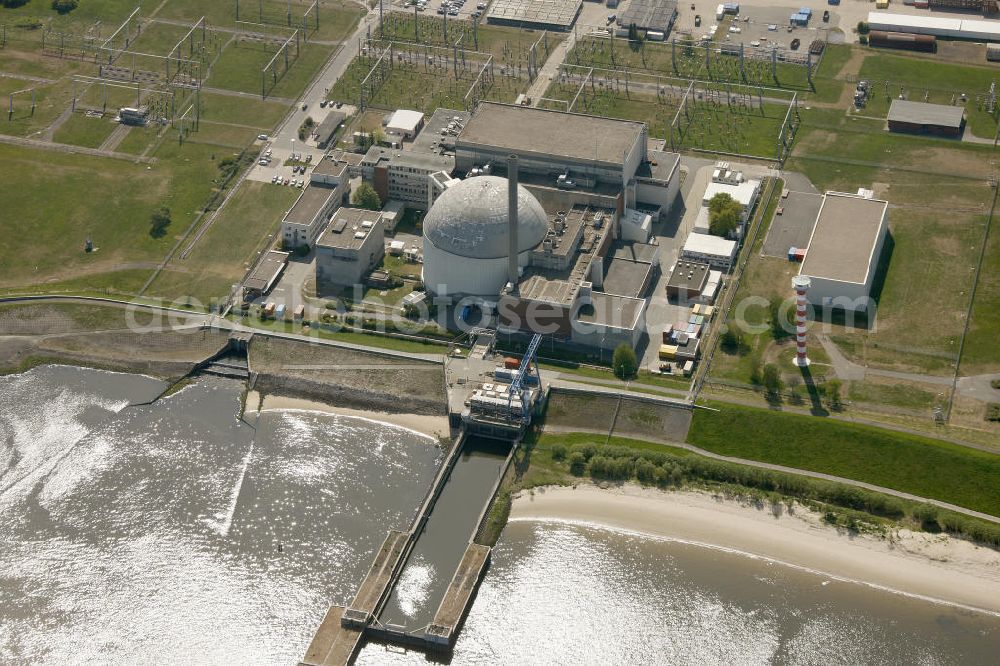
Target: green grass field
239, 68
918, 465
688, 63
418, 88
337, 19
75, 196
508, 45
981, 352
221, 256
79, 130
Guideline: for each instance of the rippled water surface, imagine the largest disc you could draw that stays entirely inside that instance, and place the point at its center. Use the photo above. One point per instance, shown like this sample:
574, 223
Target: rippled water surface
560, 594
174, 533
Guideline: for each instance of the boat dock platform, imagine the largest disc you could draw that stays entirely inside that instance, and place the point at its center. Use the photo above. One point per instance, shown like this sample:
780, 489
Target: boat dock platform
444, 629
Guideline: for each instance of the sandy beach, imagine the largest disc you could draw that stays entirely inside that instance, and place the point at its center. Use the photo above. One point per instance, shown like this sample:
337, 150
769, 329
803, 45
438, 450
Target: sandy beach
931, 566
432, 426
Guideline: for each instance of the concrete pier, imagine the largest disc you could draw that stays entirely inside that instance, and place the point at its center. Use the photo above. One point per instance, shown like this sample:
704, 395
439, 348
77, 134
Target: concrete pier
333, 644
376, 584
444, 629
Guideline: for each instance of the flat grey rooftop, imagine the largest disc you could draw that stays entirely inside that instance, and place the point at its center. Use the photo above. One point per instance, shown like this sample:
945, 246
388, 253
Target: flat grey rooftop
626, 278
345, 224
649, 14
522, 129
844, 239
309, 203
329, 167
538, 287
611, 310
266, 270
794, 226
436, 136
660, 167
922, 113
560, 13
641, 252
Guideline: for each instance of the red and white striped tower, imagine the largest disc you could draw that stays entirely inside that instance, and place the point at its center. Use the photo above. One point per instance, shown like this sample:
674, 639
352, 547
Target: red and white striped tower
801, 284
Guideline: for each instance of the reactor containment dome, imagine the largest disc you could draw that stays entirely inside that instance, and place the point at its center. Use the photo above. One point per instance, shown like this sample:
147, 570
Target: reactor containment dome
466, 237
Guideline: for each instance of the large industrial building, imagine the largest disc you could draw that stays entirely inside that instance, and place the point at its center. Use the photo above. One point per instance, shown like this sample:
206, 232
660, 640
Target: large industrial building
403, 174
586, 193
844, 250
350, 248
982, 30
539, 14
924, 118
602, 157
654, 17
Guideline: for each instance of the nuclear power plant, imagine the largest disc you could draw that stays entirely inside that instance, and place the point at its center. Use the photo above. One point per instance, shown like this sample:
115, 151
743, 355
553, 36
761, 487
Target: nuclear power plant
567, 252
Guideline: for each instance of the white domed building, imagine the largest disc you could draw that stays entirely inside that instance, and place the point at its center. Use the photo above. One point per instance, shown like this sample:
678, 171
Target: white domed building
466, 237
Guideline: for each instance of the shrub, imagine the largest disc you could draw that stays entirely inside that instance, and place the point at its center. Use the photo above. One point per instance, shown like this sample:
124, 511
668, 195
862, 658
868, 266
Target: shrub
863, 28
366, 197
64, 6
558, 451
624, 362
158, 222
724, 214
11, 4
993, 411
771, 379
577, 463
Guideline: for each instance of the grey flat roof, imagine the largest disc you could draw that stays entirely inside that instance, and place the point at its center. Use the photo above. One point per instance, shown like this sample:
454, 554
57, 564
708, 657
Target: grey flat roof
642, 252
329, 167
557, 133
666, 164
542, 12
266, 271
611, 310
309, 203
842, 243
431, 139
649, 14
922, 113
330, 123
624, 277
537, 287
692, 275
344, 224
421, 160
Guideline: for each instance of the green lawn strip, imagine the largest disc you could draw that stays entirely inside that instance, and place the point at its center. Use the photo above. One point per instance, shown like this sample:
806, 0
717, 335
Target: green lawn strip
565, 458
908, 463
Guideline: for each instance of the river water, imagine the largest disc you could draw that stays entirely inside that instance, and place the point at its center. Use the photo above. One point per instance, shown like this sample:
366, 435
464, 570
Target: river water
175, 533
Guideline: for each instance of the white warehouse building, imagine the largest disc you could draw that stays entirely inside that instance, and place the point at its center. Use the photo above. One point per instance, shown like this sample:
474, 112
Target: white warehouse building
465, 237
844, 250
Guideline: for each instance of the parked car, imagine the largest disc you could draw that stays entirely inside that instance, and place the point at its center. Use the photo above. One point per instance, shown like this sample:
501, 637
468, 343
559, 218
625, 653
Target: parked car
262, 137
697, 20
826, 16
305, 106
611, 18
309, 158
795, 43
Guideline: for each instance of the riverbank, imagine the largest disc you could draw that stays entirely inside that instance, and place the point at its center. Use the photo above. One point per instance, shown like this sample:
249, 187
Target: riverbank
425, 424
931, 566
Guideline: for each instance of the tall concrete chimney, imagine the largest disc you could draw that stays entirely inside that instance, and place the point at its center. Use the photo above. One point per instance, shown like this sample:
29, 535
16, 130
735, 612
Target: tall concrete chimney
512, 247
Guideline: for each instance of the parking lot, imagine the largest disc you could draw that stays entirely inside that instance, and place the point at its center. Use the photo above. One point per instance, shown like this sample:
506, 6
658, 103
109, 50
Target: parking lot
457, 9
279, 152
754, 22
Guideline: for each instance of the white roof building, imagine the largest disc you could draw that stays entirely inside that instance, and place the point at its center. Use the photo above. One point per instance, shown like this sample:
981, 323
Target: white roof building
745, 193
406, 122
717, 252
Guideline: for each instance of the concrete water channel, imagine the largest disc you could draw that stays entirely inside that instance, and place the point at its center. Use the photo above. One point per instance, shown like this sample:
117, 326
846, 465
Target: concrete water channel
422, 581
